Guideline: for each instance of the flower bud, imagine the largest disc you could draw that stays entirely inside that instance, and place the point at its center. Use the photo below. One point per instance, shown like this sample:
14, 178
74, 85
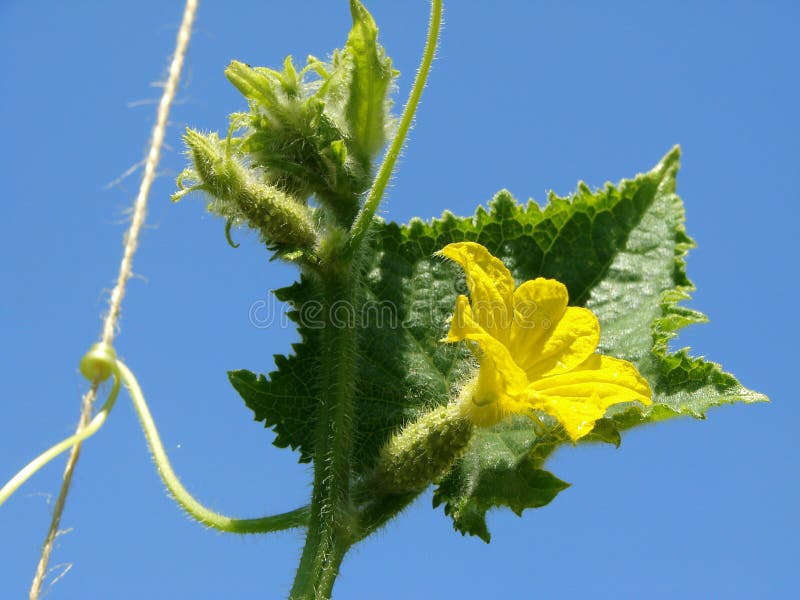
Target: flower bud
239, 196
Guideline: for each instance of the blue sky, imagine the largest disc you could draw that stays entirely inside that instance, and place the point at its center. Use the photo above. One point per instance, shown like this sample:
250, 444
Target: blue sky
524, 95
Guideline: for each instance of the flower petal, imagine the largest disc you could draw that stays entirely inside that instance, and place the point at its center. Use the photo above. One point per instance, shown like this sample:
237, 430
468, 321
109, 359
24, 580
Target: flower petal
581, 396
462, 322
490, 284
564, 346
493, 353
547, 337
500, 386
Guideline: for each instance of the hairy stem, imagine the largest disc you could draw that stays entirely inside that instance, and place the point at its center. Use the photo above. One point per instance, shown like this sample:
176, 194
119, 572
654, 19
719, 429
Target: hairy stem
367, 212
331, 525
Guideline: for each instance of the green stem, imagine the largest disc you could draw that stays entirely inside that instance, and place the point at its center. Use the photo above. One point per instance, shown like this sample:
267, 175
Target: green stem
332, 523
367, 212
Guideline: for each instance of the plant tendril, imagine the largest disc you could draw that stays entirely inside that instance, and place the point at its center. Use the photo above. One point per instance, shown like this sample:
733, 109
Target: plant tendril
95, 367
228, 225
98, 365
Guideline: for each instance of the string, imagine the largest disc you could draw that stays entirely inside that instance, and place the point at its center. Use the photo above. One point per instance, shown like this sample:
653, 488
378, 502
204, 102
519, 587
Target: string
125, 270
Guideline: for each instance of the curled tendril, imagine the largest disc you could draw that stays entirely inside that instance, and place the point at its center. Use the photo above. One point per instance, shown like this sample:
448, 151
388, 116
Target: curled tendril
228, 225
237, 121
183, 189
98, 365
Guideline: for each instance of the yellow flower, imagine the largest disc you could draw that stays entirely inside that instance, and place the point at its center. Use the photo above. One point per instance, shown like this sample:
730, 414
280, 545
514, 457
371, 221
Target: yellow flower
535, 352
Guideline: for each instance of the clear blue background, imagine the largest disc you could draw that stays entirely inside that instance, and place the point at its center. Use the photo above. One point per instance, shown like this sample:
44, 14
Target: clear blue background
525, 95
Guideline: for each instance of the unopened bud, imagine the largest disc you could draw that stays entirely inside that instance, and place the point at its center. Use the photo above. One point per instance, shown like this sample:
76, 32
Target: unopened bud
239, 196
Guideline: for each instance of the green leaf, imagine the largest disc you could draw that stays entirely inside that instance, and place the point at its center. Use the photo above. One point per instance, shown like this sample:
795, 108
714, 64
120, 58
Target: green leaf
369, 79
404, 370
499, 469
286, 399
619, 251
275, 402
637, 303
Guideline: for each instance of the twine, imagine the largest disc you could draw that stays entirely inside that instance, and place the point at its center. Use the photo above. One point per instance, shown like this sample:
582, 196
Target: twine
131, 240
